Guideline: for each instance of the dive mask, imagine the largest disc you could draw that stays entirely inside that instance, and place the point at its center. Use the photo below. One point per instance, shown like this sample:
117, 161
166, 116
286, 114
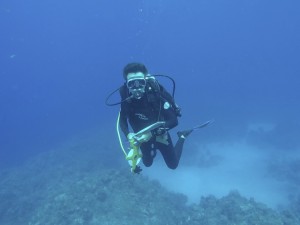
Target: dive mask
136, 84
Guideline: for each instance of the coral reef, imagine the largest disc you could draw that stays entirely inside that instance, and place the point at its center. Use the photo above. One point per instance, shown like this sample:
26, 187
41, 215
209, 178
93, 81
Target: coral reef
74, 186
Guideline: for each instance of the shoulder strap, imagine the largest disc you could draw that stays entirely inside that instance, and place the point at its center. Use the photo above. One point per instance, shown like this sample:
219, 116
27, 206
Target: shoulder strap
161, 93
153, 83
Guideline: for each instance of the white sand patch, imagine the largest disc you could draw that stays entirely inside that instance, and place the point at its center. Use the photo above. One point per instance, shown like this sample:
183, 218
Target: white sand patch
242, 168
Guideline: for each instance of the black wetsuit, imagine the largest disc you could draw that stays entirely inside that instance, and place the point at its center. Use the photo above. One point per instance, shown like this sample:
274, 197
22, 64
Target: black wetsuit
151, 108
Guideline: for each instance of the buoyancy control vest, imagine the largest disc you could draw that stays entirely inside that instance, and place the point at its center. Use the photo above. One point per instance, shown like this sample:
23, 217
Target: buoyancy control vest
154, 92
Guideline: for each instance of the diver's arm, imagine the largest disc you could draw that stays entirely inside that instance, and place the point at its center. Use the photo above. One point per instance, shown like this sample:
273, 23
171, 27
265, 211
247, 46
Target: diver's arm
169, 114
170, 118
166, 95
124, 111
123, 122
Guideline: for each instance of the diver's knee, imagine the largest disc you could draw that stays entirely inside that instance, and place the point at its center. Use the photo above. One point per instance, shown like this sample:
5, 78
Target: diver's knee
172, 166
147, 163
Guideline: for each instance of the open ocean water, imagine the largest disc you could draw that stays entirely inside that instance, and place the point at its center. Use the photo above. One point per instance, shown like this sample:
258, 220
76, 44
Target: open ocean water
236, 61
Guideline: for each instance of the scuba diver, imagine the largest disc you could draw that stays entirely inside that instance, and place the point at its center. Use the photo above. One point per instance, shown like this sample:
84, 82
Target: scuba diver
151, 112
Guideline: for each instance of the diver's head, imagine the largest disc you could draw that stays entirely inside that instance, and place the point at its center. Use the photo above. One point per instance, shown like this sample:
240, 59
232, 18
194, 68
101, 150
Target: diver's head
134, 68
135, 76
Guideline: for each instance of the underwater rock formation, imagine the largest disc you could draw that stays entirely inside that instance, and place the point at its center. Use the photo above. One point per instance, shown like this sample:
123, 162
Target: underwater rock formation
72, 187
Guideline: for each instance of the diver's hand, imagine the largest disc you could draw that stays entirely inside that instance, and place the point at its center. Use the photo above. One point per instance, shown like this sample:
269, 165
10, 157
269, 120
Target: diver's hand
139, 138
160, 131
144, 137
130, 136
137, 170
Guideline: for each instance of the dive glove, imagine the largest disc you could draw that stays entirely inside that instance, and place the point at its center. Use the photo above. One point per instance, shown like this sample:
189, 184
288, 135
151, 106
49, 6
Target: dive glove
130, 136
139, 138
137, 170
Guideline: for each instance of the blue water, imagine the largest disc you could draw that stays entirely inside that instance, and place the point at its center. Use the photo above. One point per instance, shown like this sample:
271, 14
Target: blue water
234, 61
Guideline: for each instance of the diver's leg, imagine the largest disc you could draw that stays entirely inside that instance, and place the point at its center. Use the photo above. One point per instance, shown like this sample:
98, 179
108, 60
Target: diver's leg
172, 154
168, 152
178, 147
182, 135
147, 152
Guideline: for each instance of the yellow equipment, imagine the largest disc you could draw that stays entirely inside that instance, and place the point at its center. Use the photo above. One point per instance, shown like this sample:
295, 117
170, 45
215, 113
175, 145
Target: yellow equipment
135, 140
